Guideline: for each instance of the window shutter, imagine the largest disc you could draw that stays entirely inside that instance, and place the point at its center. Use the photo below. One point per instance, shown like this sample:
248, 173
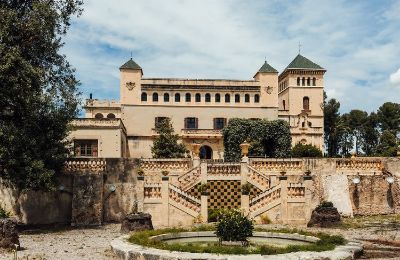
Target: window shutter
196, 123
185, 123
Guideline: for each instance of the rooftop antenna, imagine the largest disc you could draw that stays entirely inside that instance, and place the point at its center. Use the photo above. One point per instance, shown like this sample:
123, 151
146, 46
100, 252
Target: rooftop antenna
131, 54
299, 47
265, 59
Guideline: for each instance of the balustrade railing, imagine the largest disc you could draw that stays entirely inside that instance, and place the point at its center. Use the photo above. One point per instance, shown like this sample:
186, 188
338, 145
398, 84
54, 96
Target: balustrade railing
184, 199
265, 198
176, 165
296, 190
189, 179
152, 191
264, 165
223, 169
256, 177
85, 165
359, 164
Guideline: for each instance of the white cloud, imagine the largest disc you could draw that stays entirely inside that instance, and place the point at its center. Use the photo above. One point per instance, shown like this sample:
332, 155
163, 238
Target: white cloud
395, 78
355, 41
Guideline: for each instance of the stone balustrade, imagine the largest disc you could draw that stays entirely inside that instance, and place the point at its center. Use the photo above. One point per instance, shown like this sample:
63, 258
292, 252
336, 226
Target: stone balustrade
158, 165
223, 169
189, 179
184, 198
271, 165
296, 190
359, 164
85, 165
152, 190
261, 179
265, 198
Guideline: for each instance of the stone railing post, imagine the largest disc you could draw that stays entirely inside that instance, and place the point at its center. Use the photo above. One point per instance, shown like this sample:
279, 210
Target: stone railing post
308, 196
284, 198
204, 207
244, 172
165, 200
245, 203
203, 172
140, 193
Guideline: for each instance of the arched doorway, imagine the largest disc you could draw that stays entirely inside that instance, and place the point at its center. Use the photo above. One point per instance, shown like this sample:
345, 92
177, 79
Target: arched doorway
205, 152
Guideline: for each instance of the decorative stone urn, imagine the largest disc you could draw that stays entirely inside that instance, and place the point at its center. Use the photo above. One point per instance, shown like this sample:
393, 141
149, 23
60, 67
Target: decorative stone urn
196, 150
245, 148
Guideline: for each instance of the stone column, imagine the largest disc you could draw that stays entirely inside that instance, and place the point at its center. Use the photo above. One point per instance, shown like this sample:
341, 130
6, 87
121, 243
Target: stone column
203, 172
308, 182
140, 193
196, 152
204, 207
284, 198
245, 203
165, 201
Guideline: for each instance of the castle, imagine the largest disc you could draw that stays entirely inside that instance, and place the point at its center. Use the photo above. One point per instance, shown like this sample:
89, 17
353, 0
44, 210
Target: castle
199, 109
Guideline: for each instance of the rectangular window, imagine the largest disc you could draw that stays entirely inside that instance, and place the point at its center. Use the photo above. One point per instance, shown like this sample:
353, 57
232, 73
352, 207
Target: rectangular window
191, 123
87, 148
219, 123
158, 120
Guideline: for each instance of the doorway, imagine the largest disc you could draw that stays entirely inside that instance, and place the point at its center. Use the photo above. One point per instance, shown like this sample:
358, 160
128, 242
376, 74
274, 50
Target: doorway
206, 152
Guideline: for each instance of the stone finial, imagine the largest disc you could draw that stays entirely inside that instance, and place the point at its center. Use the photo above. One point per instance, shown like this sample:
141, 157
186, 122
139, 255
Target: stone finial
196, 150
354, 155
245, 148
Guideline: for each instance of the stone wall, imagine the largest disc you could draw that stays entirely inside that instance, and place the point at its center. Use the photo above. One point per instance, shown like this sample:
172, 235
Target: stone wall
94, 191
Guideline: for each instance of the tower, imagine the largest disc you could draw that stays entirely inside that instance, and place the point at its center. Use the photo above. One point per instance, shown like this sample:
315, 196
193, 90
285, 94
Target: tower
301, 87
130, 80
268, 78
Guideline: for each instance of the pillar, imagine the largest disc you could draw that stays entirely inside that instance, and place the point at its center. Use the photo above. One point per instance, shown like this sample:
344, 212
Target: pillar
165, 200
140, 193
284, 198
204, 207
245, 203
308, 196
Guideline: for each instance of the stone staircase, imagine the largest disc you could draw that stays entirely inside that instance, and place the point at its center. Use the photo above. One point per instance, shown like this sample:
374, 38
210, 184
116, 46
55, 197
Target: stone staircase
184, 201
265, 201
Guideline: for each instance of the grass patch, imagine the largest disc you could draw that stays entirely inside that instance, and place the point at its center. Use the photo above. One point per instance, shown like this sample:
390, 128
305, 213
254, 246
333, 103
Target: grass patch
368, 221
326, 242
4, 213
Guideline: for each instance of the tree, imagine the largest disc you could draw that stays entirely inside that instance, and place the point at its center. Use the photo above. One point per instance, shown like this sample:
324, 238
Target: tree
266, 138
356, 121
331, 126
370, 134
305, 150
38, 96
389, 117
166, 143
387, 144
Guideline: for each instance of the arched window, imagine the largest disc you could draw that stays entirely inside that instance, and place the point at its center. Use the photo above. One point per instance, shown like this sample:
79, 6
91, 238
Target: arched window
110, 115
306, 103
237, 98
188, 97
256, 98
284, 104
207, 97
298, 81
247, 98
308, 82
303, 81
197, 97
99, 116
155, 97
227, 98
177, 97
166, 97
217, 98
314, 81
144, 96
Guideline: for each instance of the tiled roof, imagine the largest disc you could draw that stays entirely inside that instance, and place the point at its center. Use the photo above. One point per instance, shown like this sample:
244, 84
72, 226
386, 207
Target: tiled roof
267, 68
301, 62
130, 64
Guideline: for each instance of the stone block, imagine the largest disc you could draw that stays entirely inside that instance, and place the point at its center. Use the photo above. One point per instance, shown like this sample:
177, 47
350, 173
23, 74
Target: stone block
8, 233
324, 217
136, 222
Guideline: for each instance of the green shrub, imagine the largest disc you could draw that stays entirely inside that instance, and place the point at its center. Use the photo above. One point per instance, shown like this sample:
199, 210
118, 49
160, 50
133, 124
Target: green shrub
246, 188
215, 214
4, 213
325, 204
265, 219
233, 225
306, 150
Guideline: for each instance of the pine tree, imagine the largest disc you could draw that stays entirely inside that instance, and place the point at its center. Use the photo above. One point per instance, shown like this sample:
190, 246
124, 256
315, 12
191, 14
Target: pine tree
166, 143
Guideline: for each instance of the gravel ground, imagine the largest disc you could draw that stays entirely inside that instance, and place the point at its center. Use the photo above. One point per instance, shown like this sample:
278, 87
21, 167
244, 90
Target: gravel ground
88, 243
381, 241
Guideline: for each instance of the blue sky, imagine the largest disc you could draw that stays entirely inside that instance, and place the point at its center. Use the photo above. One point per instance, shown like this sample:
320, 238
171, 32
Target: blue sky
358, 42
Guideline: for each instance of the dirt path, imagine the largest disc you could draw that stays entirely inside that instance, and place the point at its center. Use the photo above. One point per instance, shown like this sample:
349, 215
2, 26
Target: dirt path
88, 243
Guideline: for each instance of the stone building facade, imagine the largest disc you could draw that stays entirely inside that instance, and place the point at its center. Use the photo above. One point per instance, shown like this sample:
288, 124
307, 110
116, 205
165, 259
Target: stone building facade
199, 109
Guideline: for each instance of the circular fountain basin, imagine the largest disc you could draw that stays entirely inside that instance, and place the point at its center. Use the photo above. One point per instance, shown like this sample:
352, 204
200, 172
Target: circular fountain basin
259, 238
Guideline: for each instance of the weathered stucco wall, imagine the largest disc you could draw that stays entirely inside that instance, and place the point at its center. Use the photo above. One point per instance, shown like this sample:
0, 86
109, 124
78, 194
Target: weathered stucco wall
105, 190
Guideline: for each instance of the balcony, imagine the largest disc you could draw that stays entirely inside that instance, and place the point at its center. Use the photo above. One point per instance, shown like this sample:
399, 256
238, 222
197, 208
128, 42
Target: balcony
201, 133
